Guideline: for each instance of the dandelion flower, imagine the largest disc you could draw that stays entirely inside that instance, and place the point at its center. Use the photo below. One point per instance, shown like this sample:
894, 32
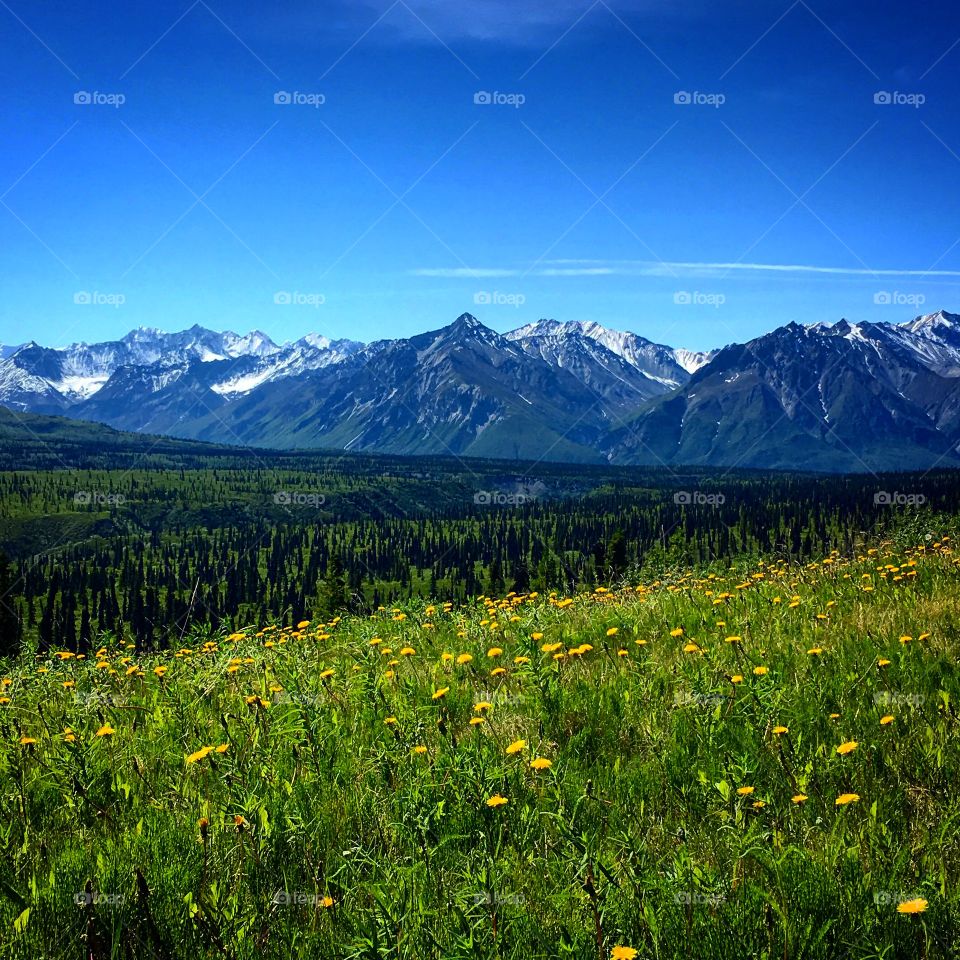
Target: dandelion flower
887, 719
464, 658
476, 721
847, 747
497, 801
106, 731
676, 632
745, 791
516, 746
799, 798
495, 651
27, 741
199, 755
613, 631
912, 906
779, 730
441, 693
222, 748
419, 748
390, 721
846, 798
623, 953
407, 652
541, 763
761, 671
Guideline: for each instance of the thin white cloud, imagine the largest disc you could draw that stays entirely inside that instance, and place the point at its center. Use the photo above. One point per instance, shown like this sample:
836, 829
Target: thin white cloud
670, 268
531, 23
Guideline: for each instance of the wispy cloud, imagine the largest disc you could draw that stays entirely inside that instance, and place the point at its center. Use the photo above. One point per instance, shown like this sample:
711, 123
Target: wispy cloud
530, 23
674, 268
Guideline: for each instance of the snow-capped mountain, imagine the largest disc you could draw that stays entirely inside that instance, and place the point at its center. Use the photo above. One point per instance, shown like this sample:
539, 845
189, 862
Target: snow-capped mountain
63, 376
846, 396
842, 396
603, 358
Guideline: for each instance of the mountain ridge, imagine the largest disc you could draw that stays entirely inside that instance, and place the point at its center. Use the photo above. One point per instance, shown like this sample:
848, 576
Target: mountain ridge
842, 396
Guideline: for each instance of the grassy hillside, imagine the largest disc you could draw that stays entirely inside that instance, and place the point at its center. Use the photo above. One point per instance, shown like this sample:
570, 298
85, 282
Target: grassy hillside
739, 763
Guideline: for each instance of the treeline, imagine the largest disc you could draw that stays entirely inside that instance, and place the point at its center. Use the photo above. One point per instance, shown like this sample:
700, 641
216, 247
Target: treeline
212, 548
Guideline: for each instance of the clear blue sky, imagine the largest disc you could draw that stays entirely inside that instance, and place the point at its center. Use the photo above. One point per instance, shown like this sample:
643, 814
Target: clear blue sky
399, 200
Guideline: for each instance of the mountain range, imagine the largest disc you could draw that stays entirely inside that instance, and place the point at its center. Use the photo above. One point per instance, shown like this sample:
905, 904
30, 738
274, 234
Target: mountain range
841, 397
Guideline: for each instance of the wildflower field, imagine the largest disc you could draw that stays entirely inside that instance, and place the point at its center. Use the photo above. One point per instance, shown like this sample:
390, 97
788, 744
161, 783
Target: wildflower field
756, 761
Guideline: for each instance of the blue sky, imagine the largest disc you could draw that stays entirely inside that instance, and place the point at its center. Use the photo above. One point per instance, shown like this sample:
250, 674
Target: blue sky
779, 191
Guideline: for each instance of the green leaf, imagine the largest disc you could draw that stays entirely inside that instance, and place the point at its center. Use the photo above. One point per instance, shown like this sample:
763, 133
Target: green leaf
20, 924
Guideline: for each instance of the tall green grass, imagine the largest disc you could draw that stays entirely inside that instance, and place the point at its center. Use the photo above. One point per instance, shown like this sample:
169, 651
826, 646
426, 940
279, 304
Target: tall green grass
321, 830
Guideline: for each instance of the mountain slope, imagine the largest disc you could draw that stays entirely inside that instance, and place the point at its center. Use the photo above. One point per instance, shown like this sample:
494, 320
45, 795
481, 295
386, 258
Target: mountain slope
463, 389
845, 397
